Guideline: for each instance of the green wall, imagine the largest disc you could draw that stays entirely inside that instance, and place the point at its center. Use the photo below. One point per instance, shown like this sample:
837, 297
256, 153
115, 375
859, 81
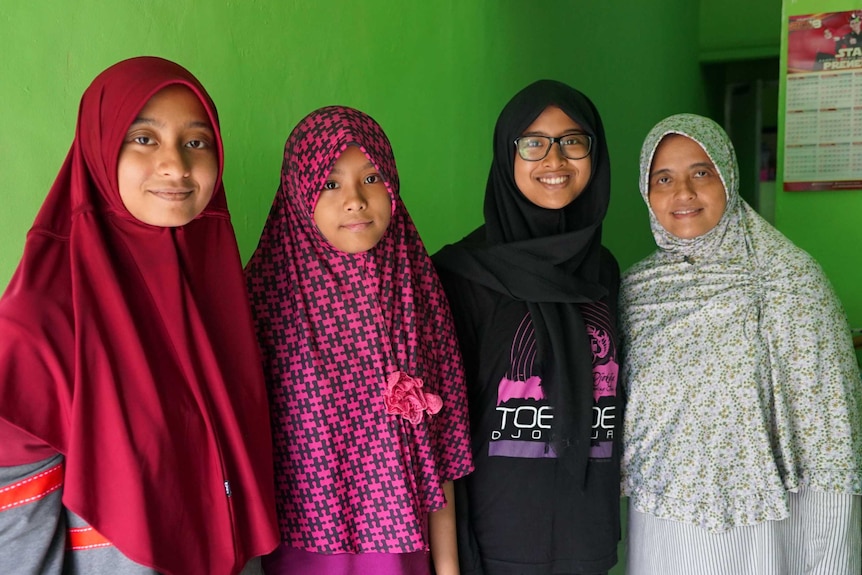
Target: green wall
826, 224
434, 74
739, 29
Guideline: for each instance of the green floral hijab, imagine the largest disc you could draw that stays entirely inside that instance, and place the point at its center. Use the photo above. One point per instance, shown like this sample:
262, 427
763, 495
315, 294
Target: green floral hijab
717, 145
742, 382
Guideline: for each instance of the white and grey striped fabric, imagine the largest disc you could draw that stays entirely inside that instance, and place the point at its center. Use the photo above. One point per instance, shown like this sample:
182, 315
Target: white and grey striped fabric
822, 536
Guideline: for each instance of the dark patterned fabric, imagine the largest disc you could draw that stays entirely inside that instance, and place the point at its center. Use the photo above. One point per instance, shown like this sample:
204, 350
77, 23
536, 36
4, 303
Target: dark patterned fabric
332, 327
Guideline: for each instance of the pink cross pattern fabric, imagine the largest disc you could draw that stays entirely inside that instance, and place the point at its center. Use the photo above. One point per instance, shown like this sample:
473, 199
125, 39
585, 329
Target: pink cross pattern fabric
333, 327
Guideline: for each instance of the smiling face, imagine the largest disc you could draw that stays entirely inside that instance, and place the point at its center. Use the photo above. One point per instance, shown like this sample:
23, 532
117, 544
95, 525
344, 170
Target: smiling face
555, 181
168, 165
354, 207
686, 193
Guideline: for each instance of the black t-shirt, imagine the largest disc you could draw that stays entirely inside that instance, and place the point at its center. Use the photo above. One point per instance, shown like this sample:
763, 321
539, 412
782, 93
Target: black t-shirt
521, 511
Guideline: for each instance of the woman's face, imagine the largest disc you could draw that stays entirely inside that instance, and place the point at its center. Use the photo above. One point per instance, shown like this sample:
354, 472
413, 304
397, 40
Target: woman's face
168, 164
354, 208
555, 181
686, 193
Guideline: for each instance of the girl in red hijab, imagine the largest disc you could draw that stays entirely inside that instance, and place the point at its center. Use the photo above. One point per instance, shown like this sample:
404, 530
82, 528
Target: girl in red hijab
133, 428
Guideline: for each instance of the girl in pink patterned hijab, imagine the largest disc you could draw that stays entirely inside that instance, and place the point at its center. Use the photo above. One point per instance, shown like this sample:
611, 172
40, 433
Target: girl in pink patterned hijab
364, 374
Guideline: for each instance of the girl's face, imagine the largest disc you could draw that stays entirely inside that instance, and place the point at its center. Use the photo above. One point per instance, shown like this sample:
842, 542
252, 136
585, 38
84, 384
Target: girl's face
168, 164
555, 181
354, 207
686, 193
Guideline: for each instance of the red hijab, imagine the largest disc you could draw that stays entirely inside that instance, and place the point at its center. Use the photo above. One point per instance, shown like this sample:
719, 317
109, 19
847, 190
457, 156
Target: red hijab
129, 349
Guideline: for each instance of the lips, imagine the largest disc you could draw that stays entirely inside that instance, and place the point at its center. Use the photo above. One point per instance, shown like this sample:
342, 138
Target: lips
172, 194
356, 226
686, 212
553, 180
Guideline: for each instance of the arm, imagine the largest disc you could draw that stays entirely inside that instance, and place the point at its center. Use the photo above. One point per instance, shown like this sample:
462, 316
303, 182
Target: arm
444, 546
32, 528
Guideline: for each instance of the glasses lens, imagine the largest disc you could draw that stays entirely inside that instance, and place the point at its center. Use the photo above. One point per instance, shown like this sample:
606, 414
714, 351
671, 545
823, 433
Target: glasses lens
575, 146
533, 148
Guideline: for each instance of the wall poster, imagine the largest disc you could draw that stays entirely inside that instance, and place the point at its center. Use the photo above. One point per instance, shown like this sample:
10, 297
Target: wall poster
823, 112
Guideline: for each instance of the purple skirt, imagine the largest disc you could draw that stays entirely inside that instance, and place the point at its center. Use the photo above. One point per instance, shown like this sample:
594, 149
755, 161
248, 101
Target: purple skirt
290, 561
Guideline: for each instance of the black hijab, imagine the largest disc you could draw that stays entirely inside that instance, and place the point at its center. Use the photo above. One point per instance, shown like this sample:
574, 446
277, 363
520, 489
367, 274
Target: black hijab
548, 258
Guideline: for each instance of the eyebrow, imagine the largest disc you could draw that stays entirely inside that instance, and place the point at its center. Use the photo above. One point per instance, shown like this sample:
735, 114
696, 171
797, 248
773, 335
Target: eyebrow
707, 165
153, 122
365, 167
563, 133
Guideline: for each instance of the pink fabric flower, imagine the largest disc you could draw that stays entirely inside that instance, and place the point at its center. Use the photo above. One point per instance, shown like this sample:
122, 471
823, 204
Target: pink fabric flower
404, 397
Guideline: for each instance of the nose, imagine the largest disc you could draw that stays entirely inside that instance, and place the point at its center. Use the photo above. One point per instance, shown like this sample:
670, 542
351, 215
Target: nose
172, 161
685, 189
555, 155
354, 199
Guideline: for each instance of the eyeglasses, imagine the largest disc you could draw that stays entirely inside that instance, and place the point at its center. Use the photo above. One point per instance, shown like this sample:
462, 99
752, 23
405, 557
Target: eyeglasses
573, 146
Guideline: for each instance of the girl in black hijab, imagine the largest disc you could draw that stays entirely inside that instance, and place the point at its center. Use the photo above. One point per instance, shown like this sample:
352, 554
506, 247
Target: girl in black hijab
533, 292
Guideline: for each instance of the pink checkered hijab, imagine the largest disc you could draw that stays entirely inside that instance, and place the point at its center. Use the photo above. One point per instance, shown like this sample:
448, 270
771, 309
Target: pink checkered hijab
364, 372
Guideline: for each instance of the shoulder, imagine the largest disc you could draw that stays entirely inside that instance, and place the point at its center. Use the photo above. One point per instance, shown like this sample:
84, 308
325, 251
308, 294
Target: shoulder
609, 277
610, 268
452, 281
451, 259
780, 260
635, 272
451, 256
464, 294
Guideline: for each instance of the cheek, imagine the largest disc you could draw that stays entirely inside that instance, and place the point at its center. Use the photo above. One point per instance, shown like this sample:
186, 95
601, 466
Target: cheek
585, 170
658, 203
380, 201
128, 176
207, 198
722, 200
208, 173
652, 200
385, 222
521, 173
716, 197
318, 213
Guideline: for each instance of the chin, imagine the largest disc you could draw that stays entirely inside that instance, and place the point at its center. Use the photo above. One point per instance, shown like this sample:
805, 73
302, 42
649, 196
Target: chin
172, 221
557, 203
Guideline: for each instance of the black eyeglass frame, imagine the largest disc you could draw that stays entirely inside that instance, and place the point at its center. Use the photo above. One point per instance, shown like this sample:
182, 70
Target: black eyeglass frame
559, 142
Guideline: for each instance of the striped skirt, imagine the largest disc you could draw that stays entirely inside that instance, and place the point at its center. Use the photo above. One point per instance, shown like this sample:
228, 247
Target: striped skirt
822, 536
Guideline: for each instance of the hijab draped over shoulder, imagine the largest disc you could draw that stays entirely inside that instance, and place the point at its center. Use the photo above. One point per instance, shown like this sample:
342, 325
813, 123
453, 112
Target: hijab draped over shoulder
741, 376
338, 331
129, 349
549, 258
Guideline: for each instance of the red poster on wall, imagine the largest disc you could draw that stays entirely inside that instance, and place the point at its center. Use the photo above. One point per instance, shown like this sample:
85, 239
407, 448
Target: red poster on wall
823, 112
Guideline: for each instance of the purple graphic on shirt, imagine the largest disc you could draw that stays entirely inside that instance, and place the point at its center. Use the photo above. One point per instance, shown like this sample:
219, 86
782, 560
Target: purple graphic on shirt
524, 416
605, 375
512, 389
605, 378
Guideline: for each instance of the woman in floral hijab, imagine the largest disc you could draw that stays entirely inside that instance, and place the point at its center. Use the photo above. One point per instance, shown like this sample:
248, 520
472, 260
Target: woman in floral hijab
743, 435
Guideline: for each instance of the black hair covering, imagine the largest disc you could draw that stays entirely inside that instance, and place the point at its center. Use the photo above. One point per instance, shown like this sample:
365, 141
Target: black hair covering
548, 258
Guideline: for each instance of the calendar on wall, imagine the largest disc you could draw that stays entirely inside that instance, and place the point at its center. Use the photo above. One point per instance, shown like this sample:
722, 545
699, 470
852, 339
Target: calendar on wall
823, 113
